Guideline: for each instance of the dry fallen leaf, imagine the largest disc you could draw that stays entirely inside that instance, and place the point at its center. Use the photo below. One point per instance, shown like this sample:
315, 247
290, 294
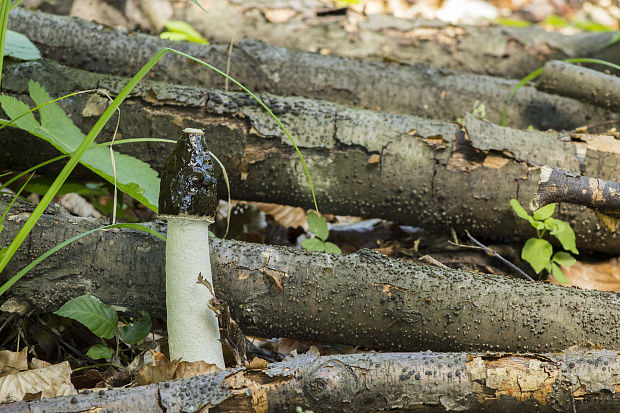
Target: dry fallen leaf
174, 370
257, 364
52, 381
604, 275
13, 362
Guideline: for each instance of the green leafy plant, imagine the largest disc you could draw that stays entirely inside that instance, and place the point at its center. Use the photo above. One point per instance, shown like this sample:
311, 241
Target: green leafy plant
538, 252
102, 320
318, 226
182, 31
133, 176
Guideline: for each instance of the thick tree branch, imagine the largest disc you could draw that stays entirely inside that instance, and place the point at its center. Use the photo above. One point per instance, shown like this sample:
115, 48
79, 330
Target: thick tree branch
365, 299
413, 89
577, 380
510, 52
403, 168
581, 83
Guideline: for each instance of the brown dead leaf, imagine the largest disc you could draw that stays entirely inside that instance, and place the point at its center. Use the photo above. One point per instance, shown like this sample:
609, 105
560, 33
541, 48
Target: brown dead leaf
12, 362
257, 363
374, 158
388, 250
52, 381
174, 370
35, 363
604, 275
285, 215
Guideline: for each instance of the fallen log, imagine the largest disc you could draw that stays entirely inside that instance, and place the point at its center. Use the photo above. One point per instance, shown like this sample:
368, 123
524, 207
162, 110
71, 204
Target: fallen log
576, 380
412, 89
581, 83
406, 169
364, 299
505, 51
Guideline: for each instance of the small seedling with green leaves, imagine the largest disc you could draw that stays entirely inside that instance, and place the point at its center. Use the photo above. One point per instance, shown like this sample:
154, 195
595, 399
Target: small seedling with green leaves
318, 226
538, 252
102, 321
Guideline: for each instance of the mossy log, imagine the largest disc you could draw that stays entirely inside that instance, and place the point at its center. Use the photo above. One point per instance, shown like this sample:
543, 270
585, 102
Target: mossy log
576, 380
364, 299
505, 51
427, 173
412, 89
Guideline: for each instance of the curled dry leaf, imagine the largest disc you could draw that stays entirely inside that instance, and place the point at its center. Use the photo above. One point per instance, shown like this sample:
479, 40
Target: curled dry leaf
13, 362
52, 381
257, 363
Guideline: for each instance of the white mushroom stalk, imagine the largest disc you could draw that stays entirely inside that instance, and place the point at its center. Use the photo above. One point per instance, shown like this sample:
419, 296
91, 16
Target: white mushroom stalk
187, 200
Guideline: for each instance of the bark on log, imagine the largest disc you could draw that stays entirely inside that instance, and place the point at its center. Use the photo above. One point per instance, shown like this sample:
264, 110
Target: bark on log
576, 380
364, 299
557, 185
581, 83
430, 173
510, 52
412, 89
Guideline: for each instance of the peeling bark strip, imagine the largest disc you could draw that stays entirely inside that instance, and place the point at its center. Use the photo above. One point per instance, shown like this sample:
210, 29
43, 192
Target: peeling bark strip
575, 380
581, 83
558, 185
429, 173
364, 299
412, 89
504, 51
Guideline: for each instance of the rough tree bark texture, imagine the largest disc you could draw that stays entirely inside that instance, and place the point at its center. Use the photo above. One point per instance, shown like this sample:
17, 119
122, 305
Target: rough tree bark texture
413, 89
365, 299
510, 52
581, 83
403, 168
575, 381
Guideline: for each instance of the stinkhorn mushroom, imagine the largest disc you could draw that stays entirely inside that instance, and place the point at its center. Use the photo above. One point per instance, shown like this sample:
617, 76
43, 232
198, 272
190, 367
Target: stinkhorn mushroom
187, 200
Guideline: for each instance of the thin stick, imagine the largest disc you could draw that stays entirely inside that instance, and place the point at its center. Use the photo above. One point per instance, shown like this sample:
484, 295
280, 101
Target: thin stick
499, 257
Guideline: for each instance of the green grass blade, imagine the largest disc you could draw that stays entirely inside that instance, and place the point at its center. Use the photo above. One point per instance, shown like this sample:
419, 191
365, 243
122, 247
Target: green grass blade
522, 83
225, 174
593, 61
15, 4
37, 261
4, 22
198, 4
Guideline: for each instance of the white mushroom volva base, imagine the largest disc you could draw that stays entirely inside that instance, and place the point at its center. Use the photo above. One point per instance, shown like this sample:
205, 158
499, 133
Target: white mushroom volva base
193, 332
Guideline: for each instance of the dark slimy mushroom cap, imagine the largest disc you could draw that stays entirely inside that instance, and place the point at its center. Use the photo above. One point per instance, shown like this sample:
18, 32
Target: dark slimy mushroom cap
188, 184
